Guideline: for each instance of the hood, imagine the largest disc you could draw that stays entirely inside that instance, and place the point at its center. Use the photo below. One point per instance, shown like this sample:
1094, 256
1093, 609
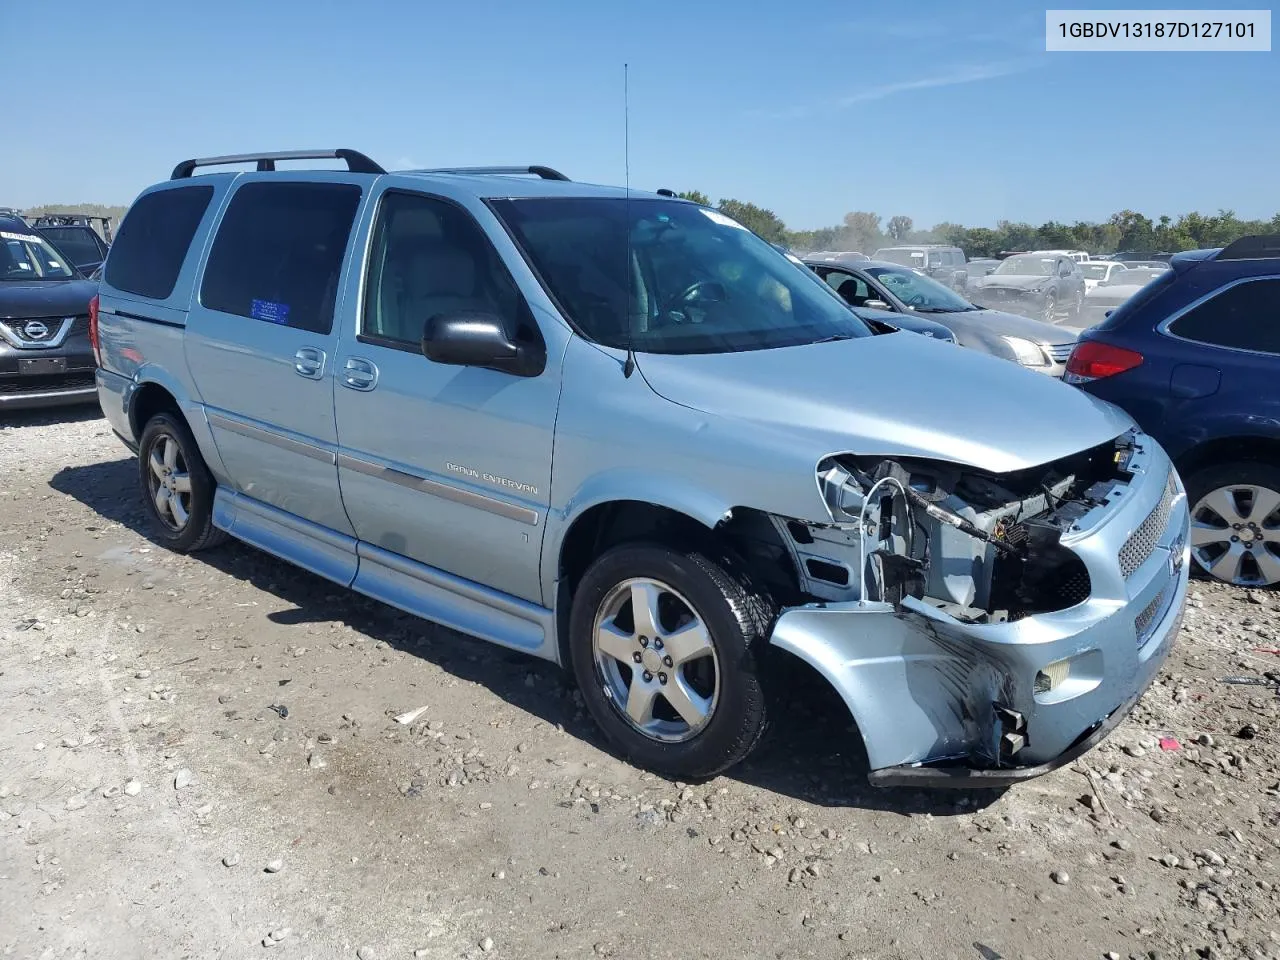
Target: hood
20, 299
1012, 281
1003, 324
929, 327
893, 396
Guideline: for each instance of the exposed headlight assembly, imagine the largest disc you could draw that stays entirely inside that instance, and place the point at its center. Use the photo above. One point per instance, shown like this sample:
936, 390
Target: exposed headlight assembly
1026, 352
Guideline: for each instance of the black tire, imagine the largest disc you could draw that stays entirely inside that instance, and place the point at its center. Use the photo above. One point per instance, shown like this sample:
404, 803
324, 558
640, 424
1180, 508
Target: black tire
198, 532
1255, 473
736, 618
1050, 308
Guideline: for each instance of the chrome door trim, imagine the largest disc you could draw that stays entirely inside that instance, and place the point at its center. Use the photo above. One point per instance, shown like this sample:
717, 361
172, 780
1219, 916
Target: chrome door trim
271, 437
443, 490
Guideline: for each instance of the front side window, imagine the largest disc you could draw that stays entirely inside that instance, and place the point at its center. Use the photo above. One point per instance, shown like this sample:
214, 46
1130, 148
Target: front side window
920, 293
429, 257
667, 276
278, 253
152, 242
1243, 317
853, 290
28, 256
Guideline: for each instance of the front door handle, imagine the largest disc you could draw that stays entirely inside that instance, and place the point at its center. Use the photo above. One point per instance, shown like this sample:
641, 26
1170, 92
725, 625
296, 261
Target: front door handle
359, 374
309, 362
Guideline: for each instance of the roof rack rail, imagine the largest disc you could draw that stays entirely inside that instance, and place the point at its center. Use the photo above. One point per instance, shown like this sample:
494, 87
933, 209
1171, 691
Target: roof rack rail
1262, 246
356, 162
546, 173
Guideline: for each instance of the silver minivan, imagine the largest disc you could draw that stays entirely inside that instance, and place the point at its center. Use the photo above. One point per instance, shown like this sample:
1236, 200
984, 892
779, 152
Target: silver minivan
619, 431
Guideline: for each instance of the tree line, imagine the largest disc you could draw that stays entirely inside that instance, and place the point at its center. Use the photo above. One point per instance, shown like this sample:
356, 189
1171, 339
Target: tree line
1127, 230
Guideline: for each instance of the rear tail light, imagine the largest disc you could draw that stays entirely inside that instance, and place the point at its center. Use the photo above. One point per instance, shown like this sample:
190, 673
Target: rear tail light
1091, 360
93, 331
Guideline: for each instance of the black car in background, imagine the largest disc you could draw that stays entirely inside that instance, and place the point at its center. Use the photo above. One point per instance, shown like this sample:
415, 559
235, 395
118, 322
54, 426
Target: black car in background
74, 236
45, 355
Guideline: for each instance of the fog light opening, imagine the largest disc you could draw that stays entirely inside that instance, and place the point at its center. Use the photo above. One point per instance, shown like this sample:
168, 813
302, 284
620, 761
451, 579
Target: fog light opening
1052, 676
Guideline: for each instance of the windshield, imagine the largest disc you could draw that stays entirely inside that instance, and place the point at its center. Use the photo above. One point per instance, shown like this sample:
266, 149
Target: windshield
1096, 271
26, 256
903, 255
919, 292
1027, 265
667, 276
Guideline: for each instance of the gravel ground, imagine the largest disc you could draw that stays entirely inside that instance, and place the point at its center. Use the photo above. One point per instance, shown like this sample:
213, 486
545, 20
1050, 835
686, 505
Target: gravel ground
200, 757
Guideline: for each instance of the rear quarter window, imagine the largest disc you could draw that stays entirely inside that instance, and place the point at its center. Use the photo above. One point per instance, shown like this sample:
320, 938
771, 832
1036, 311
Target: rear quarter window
1245, 316
153, 240
278, 253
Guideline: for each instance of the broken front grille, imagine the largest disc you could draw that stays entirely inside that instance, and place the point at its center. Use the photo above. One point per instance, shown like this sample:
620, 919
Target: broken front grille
1143, 541
1150, 616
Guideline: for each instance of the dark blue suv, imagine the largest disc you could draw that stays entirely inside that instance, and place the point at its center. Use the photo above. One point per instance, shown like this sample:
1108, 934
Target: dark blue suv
1194, 357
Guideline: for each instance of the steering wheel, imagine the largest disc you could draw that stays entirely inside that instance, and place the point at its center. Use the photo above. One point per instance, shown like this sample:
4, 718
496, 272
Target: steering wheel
687, 294
915, 300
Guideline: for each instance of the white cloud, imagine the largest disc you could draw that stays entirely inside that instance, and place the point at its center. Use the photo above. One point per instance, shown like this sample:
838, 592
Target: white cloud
952, 78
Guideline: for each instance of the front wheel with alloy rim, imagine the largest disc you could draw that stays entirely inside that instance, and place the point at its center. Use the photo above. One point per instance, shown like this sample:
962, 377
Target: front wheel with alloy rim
176, 485
664, 648
1235, 522
1050, 308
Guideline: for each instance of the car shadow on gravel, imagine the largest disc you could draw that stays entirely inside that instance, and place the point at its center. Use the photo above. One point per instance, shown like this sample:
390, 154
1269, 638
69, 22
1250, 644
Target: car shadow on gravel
50, 416
812, 752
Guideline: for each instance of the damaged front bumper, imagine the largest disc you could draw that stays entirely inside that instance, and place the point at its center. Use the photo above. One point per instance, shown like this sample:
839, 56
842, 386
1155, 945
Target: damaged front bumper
942, 702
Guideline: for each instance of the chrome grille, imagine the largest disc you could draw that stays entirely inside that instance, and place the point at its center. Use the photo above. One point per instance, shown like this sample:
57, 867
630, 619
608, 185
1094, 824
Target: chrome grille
1143, 541
1060, 352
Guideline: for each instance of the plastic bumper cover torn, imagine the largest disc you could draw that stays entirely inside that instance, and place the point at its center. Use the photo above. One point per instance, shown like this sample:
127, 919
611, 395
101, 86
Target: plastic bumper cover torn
945, 698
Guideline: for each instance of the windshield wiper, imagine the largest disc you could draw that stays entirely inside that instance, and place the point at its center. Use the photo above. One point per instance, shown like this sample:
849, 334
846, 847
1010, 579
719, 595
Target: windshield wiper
834, 337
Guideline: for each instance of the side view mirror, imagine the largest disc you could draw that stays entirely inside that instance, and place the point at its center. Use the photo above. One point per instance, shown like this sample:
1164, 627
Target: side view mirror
875, 305
473, 338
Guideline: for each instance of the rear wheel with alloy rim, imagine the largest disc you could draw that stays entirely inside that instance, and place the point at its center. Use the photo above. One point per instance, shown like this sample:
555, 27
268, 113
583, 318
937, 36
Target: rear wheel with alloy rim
176, 484
1235, 523
663, 645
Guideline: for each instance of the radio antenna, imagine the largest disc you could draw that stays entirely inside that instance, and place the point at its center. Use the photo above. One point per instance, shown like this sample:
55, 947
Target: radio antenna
629, 366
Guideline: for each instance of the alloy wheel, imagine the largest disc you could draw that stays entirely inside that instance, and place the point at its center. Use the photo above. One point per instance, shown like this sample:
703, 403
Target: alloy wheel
1050, 308
656, 659
1235, 534
169, 482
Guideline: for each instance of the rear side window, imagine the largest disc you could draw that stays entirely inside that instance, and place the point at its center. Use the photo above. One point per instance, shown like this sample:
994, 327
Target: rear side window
1243, 317
152, 242
278, 253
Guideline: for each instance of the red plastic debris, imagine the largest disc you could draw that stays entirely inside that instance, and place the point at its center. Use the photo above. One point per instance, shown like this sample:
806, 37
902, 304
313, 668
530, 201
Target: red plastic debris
1170, 743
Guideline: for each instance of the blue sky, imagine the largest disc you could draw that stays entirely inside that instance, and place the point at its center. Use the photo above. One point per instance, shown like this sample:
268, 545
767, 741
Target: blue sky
940, 111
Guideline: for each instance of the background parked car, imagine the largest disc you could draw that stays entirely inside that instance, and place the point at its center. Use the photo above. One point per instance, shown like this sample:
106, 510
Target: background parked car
1079, 256
1194, 357
837, 255
75, 238
1097, 271
904, 291
976, 269
943, 263
1108, 295
45, 355
1047, 286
